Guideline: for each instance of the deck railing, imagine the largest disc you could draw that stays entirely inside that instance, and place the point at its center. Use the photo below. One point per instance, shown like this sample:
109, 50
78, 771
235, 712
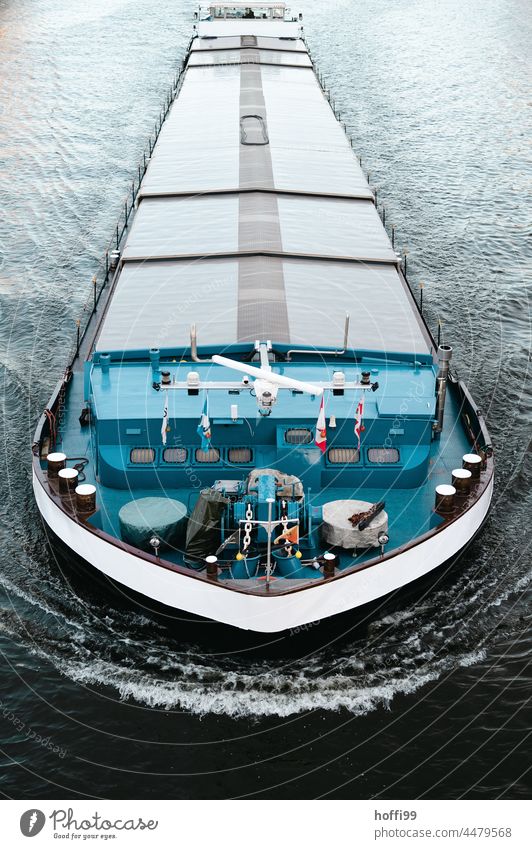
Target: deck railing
106, 268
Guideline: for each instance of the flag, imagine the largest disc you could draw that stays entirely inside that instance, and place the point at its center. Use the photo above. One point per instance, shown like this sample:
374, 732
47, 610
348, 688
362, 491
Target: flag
321, 431
204, 427
359, 427
164, 425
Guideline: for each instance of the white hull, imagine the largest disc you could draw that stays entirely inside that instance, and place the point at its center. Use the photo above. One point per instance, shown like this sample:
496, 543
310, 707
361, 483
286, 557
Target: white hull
275, 613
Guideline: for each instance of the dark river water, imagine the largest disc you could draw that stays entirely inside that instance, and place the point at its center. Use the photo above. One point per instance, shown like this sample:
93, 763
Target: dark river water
428, 696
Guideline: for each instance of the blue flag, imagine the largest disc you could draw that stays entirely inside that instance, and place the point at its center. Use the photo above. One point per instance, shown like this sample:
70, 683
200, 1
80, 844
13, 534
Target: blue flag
204, 427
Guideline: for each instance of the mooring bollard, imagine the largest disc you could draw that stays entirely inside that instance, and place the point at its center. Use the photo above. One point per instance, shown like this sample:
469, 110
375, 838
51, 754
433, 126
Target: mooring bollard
85, 498
461, 480
445, 494
68, 480
473, 463
212, 566
330, 564
56, 462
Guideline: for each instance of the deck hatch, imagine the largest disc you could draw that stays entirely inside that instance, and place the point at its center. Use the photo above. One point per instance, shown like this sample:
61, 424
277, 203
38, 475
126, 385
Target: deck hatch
253, 130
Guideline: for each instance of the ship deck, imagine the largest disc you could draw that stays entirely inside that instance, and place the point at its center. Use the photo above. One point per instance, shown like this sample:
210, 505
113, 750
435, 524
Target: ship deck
410, 510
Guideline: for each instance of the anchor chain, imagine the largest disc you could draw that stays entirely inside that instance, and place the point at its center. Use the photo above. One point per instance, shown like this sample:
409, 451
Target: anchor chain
284, 517
247, 527
284, 523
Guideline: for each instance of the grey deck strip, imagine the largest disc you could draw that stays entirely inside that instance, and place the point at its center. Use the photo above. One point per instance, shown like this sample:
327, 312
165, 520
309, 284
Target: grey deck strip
261, 296
246, 47
243, 189
262, 252
255, 62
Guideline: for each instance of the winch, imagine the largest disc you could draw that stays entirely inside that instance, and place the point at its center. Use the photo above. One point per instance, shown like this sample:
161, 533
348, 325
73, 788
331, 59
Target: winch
259, 520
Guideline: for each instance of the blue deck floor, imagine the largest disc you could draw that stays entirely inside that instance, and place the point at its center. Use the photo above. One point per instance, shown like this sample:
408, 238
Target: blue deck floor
410, 511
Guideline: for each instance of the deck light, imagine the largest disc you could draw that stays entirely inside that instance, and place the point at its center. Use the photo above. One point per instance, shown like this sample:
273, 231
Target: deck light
193, 383
155, 543
338, 383
383, 540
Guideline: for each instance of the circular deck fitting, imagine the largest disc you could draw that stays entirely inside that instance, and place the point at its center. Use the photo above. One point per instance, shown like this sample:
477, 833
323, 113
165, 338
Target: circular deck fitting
473, 463
445, 494
462, 480
338, 530
68, 480
85, 498
56, 462
143, 518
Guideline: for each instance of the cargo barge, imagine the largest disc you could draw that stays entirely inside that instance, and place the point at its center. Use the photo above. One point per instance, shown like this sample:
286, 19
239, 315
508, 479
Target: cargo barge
257, 425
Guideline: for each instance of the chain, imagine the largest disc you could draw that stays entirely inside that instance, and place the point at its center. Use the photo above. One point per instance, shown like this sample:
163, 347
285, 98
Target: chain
247, 527
284, 523
284, 517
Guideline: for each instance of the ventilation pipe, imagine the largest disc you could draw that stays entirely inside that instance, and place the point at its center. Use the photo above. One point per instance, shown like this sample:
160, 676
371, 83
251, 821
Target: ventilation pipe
445, 353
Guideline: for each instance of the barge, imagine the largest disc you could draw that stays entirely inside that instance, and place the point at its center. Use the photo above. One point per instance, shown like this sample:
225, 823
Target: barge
257, 425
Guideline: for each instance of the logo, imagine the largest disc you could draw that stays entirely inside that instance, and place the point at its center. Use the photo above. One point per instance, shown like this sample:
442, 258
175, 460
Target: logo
32, 822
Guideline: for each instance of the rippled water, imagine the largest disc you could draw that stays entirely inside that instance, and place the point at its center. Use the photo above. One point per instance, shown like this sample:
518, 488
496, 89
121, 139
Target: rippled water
429, 695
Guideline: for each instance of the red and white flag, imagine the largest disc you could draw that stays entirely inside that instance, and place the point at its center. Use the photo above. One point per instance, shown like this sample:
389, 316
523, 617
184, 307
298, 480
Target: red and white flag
359, 427
321, 430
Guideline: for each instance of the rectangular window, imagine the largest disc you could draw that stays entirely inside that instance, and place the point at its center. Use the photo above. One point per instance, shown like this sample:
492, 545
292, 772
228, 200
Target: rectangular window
174, 455
142, 456
240, 455
210, 456
343, 456
383, 455
298, 436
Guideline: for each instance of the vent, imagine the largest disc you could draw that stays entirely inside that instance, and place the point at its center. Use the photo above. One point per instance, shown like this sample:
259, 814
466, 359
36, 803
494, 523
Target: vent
298, 436
240, 455
174, 455
383, 455
345, 456
210, 456
142, 455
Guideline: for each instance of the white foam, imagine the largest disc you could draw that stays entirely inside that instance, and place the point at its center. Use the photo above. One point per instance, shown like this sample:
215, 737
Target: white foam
242, 695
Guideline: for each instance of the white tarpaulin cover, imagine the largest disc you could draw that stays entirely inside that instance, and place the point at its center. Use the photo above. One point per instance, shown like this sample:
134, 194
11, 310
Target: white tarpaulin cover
255, 220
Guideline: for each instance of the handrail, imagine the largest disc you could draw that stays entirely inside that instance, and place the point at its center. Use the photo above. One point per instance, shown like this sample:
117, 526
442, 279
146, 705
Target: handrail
105, 266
